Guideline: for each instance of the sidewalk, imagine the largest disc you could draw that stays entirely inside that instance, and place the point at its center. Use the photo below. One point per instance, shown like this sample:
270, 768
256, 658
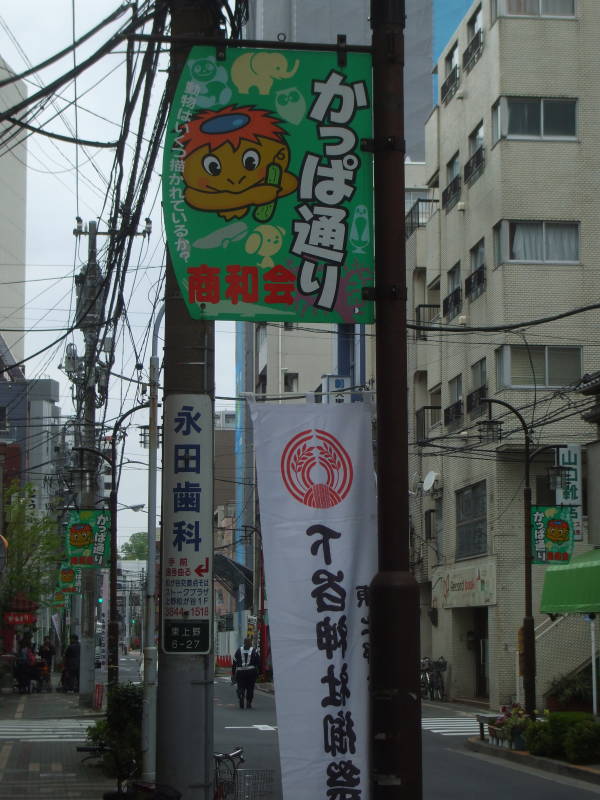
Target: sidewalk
38, 756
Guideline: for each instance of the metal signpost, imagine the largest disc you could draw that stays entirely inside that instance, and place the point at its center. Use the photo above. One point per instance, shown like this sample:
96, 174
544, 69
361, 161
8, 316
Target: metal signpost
187, 546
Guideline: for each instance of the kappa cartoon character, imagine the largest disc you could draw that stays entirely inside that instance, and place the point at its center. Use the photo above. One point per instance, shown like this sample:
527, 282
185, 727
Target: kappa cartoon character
235, 158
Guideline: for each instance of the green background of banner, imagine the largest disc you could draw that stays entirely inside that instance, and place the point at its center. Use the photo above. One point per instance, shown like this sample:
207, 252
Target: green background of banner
224, 244
556, 552
78, 543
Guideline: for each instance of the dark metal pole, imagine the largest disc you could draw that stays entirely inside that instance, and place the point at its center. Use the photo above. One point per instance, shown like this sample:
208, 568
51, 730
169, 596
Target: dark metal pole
529, 665
394, 594
113, 620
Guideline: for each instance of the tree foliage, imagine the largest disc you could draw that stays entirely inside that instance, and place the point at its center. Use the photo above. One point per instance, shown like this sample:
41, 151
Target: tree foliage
35, 549
136, 548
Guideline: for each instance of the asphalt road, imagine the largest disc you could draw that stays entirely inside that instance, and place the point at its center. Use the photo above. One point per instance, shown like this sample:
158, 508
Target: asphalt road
450, 771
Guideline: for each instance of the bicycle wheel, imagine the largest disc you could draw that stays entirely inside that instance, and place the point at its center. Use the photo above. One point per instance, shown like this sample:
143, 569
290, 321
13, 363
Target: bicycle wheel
225, 776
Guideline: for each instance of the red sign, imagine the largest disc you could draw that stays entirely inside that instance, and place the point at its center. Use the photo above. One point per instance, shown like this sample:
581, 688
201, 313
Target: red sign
316, 469
19, 618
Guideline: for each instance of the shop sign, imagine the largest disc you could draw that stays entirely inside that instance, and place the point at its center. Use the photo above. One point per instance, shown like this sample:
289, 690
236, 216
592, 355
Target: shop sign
551, 534
570, 495
463, 586
267, 188
19, 618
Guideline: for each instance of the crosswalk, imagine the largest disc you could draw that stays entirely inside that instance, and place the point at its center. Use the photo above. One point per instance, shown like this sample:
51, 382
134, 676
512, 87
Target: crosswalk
451, 726
44, 730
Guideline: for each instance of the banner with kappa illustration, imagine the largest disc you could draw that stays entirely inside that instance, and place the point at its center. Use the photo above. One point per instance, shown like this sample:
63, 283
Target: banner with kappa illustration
316, 489
88, 537
267, 185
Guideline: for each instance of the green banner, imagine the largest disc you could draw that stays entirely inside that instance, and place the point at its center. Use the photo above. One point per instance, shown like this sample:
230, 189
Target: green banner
267, 185
88, 538
551, 534
69, 579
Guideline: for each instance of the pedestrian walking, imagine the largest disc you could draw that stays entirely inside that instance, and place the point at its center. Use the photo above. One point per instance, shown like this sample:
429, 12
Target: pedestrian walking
71, 670
245, 667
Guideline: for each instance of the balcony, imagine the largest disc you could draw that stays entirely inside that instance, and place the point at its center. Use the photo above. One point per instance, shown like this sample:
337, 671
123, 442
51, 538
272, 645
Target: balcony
451, 193
453, 414
474, 166
452, 303
427, 417
473, 51
475, 407
424, 315
450, 85
475, 283
418, 215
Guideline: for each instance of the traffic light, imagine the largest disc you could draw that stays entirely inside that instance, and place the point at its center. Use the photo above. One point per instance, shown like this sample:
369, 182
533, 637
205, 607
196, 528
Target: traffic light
100, 599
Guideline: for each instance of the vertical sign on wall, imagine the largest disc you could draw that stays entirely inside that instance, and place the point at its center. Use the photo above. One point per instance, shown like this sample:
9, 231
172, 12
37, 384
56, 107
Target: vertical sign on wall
570, 495
187, 539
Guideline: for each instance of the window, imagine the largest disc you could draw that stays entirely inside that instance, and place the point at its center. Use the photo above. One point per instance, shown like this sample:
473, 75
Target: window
452, 168
534, 118
477, 255
455, 389
471, 521
478, 374
476, 139
290, 381
453, 301
3, 419
545, 242
434, 528
535, 8
450, 84
451, 193
475, 24
451, 60
475, 282
476, 162
539, 365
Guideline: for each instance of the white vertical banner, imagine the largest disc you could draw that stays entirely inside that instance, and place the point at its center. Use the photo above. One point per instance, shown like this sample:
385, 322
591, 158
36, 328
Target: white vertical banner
571, 494
316, 489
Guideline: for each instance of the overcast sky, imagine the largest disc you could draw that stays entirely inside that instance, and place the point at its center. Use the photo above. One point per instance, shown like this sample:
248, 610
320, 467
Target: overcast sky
65, 182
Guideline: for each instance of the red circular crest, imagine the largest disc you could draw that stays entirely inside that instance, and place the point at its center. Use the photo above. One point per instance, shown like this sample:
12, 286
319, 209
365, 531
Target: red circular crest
316, 469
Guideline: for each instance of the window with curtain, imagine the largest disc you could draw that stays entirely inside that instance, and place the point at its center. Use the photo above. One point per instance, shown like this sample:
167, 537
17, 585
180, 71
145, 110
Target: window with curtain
547, 117
478, 374
471, 521
454, 278
475, 23
452, 168
476, 139
552, 242
451, 60
536, 8
455, 389
538, 365
477, 255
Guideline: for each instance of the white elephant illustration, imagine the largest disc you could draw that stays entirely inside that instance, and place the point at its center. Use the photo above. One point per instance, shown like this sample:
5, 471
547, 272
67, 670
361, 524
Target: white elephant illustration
259, 70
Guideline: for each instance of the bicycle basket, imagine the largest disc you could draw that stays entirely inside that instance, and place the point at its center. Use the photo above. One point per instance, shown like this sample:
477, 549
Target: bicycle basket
254, 784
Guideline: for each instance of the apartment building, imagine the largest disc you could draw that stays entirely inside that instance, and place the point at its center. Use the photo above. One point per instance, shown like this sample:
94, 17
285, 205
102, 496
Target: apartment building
507, 234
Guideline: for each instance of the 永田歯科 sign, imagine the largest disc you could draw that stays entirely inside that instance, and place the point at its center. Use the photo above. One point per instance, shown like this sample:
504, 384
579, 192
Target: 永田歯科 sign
187, 518
268, 186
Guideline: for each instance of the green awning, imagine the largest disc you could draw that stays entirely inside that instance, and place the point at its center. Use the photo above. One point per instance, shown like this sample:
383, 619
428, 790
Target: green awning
573, 588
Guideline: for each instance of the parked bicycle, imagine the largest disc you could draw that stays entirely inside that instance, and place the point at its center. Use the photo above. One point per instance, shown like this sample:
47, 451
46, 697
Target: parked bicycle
432, 679
226, 773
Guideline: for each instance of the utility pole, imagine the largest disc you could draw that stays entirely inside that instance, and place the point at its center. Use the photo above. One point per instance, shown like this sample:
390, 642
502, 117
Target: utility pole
394, 594
89, 311
185, 688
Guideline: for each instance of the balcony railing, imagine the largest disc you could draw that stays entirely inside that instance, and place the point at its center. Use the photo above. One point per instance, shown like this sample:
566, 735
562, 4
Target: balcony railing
426, 418
450, 85
453, 414
474, 405
426, 314
451, 193
474, 166
475, 283
452, 303
418, 215
473, 51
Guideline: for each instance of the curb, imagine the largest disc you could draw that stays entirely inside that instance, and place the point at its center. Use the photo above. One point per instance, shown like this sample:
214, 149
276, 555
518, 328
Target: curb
580, 771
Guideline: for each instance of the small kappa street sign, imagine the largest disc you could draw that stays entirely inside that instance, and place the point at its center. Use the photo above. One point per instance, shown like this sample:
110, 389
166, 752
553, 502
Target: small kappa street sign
187, 544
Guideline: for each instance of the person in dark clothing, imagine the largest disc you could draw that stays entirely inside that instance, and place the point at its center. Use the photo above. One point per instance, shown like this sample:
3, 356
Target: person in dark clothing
71, 677
245, 671
46, 653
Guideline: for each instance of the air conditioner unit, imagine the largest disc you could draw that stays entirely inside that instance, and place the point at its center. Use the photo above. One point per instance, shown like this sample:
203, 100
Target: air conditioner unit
333, 388
460, 206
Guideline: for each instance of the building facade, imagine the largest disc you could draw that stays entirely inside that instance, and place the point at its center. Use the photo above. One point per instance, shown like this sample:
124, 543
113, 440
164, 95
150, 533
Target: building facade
507, 235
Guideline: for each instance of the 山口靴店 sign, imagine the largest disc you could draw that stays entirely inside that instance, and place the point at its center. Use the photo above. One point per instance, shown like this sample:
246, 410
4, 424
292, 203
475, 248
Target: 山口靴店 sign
88, 537
267, 194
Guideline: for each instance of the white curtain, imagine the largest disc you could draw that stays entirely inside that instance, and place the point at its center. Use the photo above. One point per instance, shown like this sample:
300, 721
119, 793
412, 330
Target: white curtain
558, 7
562, 242
522, 6
526, 241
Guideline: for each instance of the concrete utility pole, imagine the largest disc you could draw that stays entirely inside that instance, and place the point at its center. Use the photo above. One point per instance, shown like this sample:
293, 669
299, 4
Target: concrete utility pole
185, 687
394, 594
89, 311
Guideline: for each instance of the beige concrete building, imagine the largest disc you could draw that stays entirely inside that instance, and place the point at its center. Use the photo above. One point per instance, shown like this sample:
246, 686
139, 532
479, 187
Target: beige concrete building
508, 235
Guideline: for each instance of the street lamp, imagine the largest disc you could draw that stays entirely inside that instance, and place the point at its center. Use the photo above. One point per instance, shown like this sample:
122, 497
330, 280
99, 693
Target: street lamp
491, 430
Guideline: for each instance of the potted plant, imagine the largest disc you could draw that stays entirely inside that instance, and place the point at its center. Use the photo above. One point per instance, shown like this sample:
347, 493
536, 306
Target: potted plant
570, 693
511, 725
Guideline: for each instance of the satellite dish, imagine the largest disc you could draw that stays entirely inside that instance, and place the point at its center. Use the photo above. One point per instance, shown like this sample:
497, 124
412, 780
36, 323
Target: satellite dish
429, 481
